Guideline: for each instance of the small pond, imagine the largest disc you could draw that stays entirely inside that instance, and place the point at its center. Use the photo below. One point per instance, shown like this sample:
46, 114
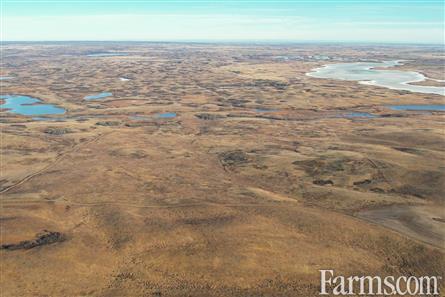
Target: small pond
265, 110
166, 115
359, 115
418, 107
29, 106
98, 96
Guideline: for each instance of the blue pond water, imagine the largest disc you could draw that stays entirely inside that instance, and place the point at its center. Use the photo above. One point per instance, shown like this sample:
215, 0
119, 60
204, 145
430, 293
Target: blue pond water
265, 110
365, 73
418, 107
166, 115
359, 115
98, 96
29, 106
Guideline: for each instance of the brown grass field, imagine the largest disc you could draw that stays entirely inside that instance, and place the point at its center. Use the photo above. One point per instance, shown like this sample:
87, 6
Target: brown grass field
223, 199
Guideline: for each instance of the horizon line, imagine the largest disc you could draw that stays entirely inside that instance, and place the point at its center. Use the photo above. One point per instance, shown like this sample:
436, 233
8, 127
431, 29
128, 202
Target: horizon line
242, 41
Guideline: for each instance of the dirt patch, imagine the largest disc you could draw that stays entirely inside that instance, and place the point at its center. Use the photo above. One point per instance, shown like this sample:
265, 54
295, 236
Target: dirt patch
423, 223
271, 195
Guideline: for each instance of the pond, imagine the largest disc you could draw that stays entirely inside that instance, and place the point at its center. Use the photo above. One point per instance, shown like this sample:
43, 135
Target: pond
98, 96
418, 107
365, 73
359, 115
166, 115
29, 106
265, 110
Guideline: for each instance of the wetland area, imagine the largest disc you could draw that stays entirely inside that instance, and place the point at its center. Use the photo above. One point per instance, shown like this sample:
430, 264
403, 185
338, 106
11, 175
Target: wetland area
187, 169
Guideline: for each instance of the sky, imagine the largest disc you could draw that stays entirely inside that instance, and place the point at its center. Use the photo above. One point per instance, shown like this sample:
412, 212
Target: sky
374, 21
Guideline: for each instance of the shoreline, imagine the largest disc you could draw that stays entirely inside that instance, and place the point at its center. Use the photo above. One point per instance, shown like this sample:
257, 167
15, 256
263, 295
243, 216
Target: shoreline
405, 85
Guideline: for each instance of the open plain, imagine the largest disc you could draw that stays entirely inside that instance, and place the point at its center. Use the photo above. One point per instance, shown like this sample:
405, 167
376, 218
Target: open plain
215, 170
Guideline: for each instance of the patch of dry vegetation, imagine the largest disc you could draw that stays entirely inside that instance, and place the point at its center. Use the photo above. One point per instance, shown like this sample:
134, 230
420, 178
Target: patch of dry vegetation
221, 200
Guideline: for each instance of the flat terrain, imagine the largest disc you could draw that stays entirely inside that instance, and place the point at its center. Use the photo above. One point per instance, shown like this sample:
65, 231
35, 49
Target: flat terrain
259, 181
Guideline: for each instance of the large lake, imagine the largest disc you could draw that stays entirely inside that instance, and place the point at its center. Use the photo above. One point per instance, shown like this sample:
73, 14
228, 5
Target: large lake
29, 106
364, 73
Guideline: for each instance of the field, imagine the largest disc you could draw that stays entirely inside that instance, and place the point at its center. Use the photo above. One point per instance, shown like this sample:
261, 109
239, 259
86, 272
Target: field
258, 180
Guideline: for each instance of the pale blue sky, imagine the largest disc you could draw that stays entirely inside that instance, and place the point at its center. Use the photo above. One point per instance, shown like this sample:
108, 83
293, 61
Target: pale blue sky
226, 20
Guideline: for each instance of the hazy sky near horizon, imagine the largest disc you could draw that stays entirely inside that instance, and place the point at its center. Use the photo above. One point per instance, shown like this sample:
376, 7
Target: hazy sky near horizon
399, 21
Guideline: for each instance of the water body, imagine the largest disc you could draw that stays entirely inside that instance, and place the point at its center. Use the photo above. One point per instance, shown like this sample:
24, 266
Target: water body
364, 73
5, 77
418, 107
166, 115
107, 54
265, 110
359, 115
98, 96
29, 106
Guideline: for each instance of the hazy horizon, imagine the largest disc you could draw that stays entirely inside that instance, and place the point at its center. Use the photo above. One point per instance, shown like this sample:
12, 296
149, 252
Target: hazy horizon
235, 42
324, 21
